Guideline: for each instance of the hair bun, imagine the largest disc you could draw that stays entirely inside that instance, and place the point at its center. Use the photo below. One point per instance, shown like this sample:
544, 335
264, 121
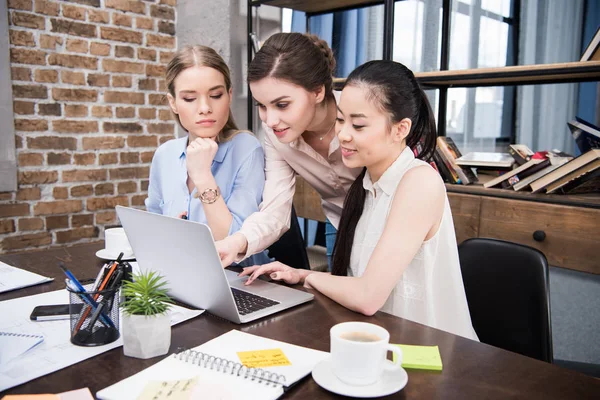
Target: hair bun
325, 50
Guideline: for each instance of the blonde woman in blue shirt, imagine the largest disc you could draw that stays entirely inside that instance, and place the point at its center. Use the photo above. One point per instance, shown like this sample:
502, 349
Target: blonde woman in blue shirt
214, 175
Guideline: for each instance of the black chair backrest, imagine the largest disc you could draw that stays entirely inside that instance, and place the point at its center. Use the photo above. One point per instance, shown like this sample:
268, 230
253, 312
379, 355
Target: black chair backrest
290, 248
507, 290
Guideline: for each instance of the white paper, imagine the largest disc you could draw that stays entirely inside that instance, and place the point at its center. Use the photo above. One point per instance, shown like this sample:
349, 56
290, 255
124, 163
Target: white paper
56, 351
12, 278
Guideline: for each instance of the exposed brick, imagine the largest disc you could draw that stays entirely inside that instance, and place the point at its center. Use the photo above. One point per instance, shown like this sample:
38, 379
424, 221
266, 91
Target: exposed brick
105, 217
82, 190
137, 7
23, 107
166, 56
29, 20
129, 158
165, 115
18, 141
60, 192
120, 35
84, 158
73, 28
46, 76
50, 42
59, 158
26, 241
100, 49
124, 112
20, 74
164, 139
76, 110
84, 175
122, 127
121, 81
77, 45
166, 27
138, 200
141, 141
33, 177
124, 51
146, 156
73, 61
93, 3
57, 207
26, 5
104, 142
49, 109
161, 128
73, 235
52, 143
47, 7
31, 125
32, 193
144, 23
162, 12
21, 38
144, 185
102, 111
162, 86
108, 158
127, 187
147, 113
30, 91
74, 78
155, 70
82, 220
102, 189
74, 12
98, 16
30, 159
98, 80
103, 203
57, 222
123, 97
25, 56
146, 54
122, 20
160, 41
171, 3
69, 126
7, 226
79, 95
158, 100
130, 173
30, 224
123, 67
14, 210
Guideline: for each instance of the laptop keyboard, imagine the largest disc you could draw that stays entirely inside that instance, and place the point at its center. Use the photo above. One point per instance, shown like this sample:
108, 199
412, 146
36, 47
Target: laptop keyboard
248, 303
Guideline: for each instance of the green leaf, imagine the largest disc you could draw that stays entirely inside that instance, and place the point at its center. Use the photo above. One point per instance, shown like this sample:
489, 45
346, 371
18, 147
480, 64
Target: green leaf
147, 294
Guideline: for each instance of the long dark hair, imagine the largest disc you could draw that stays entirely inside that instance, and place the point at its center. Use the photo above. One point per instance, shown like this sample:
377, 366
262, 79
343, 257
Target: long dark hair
392, 87
304, 60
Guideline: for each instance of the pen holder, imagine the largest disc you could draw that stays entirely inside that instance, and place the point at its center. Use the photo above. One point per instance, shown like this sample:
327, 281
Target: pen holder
97, 323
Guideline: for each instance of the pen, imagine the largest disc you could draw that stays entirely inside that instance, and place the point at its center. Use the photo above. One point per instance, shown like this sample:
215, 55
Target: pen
92, 304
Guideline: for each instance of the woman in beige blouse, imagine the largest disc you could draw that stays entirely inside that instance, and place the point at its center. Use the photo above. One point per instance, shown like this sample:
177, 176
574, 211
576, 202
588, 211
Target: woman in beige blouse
291, 81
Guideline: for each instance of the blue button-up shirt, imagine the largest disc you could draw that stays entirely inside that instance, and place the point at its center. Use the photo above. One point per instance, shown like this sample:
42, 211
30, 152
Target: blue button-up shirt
238, 169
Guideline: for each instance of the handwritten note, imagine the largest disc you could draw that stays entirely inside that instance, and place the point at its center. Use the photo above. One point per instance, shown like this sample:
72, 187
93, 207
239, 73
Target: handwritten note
263, 358
185, 389
420, 357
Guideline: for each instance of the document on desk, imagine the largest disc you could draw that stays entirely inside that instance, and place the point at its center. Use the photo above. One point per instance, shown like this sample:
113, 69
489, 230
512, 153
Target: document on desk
12, 278
56, 351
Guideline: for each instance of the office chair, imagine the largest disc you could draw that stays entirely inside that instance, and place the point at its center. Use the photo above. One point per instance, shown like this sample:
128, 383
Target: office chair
290, 248
507, 290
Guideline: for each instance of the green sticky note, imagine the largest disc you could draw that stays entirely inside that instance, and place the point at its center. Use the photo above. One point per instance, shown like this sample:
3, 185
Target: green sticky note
420, 357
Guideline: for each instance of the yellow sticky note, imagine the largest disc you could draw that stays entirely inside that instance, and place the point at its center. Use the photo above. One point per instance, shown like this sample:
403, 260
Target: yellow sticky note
263, 358
420, 357
171, 390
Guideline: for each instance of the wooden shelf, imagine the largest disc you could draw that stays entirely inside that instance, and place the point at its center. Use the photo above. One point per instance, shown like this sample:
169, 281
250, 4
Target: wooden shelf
506, 76
318, 6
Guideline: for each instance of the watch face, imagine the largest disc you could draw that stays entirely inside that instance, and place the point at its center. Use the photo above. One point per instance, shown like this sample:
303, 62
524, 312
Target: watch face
209, 196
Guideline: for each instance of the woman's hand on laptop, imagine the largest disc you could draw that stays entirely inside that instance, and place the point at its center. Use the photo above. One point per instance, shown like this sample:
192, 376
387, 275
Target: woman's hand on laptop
277, 271
230, 247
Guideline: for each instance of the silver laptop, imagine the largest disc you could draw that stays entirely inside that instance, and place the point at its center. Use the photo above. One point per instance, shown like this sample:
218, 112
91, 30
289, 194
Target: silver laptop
185, 253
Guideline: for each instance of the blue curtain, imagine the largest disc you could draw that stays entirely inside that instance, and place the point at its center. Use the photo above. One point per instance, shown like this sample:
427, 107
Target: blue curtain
586, 107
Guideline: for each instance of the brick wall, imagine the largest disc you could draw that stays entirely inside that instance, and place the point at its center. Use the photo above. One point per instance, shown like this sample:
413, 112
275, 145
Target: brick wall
89, 109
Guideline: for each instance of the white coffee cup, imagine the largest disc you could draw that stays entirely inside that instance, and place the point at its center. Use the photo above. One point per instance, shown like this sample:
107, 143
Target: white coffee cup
116, 242
359, 351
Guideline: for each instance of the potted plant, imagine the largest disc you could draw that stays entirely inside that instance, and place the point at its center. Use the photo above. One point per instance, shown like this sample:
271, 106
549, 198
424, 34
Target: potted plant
146, 323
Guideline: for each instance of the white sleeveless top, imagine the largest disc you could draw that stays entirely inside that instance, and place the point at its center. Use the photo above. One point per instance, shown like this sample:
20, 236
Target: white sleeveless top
431, 290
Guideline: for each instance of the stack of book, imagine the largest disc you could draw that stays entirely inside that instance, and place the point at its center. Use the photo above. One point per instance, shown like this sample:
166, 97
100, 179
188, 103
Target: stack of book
445, 156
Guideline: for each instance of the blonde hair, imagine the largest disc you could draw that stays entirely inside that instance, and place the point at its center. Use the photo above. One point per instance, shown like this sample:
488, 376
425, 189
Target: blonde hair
201, 56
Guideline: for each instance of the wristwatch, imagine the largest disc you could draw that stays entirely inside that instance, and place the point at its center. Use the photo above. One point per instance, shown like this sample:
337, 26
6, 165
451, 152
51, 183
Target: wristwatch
208, 196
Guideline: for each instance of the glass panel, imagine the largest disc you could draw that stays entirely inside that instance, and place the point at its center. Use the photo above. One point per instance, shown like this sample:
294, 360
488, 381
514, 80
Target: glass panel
493, 43
501, 7
460, 39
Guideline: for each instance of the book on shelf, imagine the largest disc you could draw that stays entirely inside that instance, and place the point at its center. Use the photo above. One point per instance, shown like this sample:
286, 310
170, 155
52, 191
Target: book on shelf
565, 169
508, 179
592, 51
444, 169
556, 159
520, 153
485, 159
449, 152
583, 180
586, 135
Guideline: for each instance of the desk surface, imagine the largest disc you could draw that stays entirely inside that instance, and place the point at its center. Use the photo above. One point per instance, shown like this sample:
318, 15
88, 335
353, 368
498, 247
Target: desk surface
471, 370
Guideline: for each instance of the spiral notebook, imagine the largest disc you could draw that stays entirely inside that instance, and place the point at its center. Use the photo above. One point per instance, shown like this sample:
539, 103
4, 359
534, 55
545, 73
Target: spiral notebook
13, 344
214, 370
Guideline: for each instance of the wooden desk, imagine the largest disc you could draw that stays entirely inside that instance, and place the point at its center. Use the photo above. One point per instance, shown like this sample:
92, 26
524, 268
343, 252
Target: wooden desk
471, 370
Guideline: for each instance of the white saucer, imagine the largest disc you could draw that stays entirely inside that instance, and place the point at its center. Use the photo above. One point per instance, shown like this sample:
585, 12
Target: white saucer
107, 255
390, 382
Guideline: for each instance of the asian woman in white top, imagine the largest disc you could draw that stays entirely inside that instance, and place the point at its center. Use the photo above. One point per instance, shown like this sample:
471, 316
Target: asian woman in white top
396, 248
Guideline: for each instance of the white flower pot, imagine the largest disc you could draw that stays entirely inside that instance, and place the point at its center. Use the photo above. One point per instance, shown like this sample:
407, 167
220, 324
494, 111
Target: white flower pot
146, 336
